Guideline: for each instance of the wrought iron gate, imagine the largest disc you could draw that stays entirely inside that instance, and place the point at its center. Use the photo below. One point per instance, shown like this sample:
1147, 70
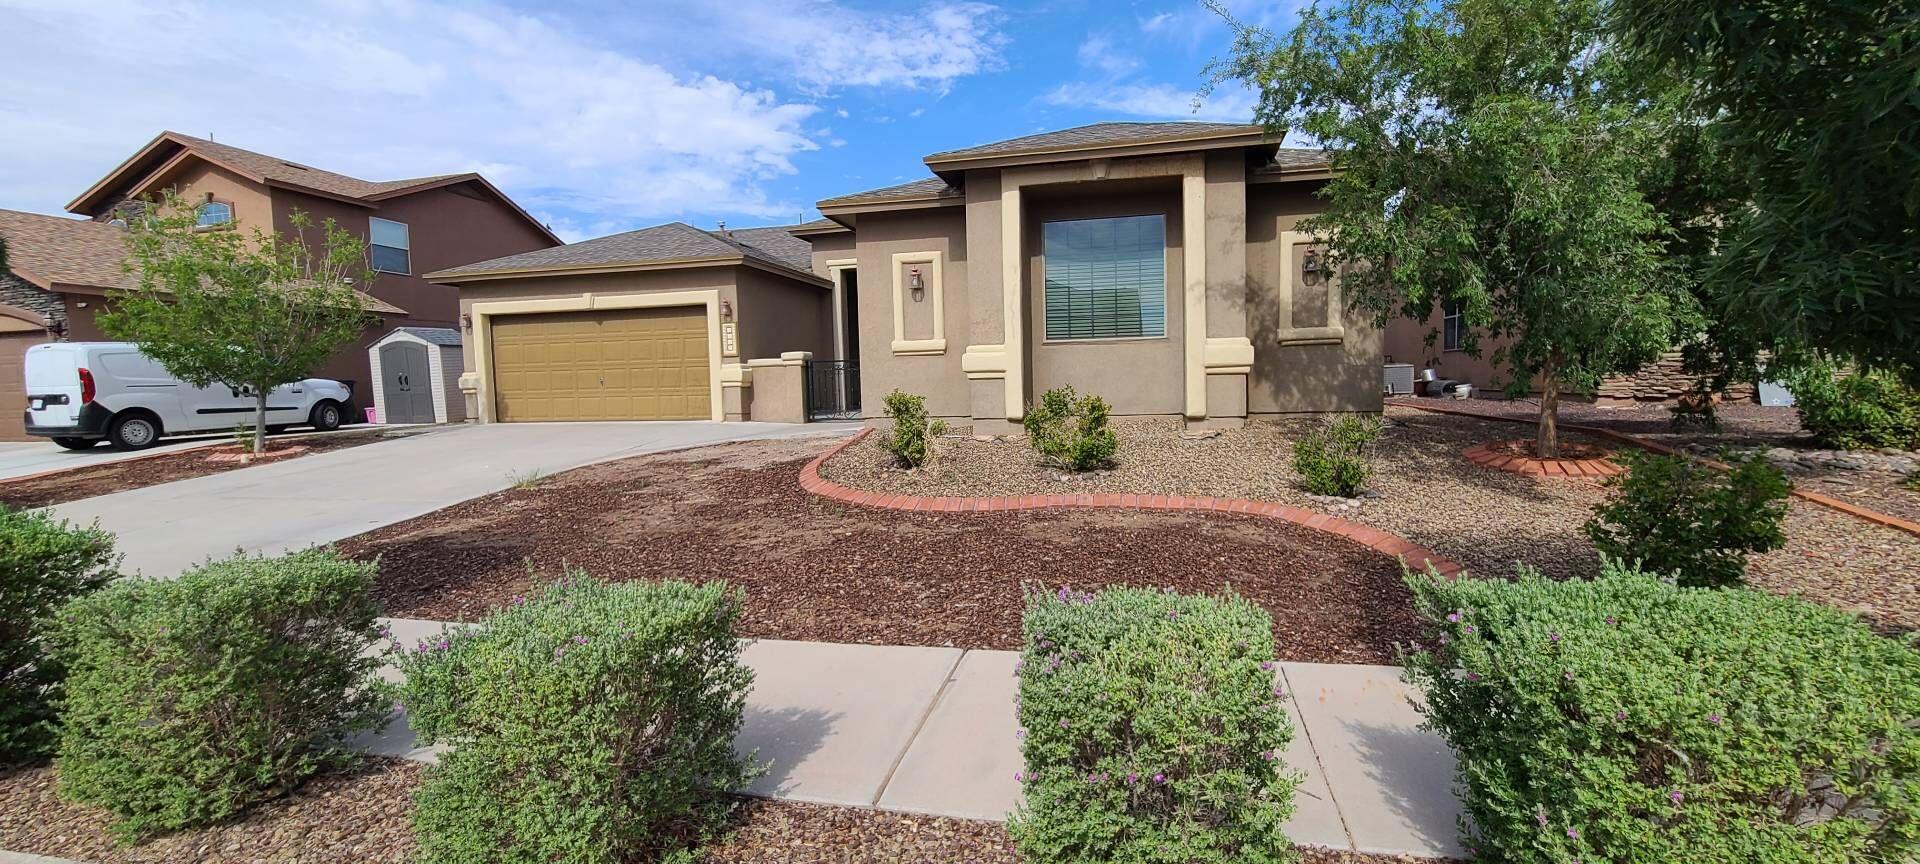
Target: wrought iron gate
833, 389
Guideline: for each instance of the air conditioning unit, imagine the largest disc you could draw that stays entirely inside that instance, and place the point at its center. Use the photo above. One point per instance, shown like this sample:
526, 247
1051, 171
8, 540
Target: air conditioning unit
1398, 379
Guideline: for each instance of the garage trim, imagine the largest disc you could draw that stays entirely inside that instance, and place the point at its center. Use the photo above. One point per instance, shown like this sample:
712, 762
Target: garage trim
484, 313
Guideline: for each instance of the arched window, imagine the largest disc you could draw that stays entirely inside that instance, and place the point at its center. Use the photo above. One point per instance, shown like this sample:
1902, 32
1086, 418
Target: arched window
213, 214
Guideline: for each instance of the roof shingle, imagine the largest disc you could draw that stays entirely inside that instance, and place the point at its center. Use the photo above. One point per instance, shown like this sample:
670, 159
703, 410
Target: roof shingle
933, 187
1096, 135
673, 241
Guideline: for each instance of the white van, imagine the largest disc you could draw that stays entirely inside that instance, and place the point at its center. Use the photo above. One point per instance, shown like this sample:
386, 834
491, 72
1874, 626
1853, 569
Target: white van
82, 393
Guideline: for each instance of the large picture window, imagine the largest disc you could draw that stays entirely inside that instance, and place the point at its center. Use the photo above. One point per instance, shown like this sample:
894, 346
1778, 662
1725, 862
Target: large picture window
388, 246
1106, 278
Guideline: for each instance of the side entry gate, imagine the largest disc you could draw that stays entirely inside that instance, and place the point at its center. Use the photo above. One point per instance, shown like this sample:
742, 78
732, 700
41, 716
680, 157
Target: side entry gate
833, 389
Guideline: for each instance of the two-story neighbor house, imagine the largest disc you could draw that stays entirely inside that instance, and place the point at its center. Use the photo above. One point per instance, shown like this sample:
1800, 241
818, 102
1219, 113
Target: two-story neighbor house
413, 226
1155, 264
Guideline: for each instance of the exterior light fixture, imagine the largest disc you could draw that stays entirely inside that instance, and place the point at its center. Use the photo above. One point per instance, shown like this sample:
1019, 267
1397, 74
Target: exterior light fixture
916, 283
466, 322
1311, 267
726, 310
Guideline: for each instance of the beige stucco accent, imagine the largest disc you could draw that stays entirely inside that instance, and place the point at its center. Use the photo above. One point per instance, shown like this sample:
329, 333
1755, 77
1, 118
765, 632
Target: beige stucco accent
736, 375
938, 343
1191, 169
484, 313
1333, 332
1228, 355
985, 361
836, 268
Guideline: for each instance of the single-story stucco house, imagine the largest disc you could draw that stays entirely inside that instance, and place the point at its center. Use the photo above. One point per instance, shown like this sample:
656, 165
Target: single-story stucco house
1155, 264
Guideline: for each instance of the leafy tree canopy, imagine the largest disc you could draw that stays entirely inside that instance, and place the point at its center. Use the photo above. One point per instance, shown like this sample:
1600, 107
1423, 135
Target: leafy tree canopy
1492, 156
251, 310
1817, 106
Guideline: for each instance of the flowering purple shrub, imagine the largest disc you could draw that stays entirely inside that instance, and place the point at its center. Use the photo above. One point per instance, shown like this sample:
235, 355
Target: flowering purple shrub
1152, 728
44, 562
189, 700
1626, 719
589, 723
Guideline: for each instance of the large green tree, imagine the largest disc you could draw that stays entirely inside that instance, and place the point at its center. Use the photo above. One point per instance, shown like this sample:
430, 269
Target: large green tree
1817, 105
1491, 156
249, 309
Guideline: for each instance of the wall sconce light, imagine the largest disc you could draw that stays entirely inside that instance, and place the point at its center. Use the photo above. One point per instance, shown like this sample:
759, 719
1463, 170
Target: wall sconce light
726, 310
1311, 267
916, 283
466, 322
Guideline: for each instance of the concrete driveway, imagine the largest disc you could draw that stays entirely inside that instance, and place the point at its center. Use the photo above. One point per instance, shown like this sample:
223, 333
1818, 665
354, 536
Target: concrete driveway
325, 497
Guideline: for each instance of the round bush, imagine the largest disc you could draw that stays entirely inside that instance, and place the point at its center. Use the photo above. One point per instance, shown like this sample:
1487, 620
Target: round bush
44, 563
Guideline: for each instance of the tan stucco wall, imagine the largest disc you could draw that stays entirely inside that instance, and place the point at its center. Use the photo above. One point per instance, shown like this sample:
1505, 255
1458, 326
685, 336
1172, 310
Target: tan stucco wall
1290, 379
1135, 376
776, 315
251, 201
936, 376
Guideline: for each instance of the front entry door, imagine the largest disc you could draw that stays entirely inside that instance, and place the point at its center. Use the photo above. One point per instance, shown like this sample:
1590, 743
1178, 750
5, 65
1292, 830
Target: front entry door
405, 383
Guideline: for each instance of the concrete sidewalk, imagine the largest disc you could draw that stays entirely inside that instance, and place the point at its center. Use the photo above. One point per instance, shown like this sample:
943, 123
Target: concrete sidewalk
932, 730
290, 505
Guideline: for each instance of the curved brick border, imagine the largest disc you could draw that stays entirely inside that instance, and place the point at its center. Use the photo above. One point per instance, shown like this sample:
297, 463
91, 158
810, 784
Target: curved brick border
1854, 510
1485, 456
1417, 557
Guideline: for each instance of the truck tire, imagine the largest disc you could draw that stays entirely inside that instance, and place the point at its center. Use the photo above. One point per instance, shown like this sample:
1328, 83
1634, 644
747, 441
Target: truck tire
133, 431
327, 416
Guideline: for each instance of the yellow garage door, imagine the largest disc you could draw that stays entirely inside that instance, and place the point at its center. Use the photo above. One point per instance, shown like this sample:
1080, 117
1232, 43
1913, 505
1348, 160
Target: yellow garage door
626, 364
13, 379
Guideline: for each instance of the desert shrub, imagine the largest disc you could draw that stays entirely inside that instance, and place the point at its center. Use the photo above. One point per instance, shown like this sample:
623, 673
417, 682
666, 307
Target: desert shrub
44, 563
1694, 410
1692, 521
1627, 719
1152, 731
911, 438
1856, 411
189, 700
1332, 460
589, 723
1070, 431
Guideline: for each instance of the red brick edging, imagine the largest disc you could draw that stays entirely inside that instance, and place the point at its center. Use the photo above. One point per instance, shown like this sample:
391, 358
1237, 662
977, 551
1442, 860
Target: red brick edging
1854, 510
1486, 456
1414, 556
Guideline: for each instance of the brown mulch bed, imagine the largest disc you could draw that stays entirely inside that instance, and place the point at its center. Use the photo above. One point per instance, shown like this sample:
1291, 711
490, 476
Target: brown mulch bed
1487, 520
364, 817
1743, 426
819, 570
359, 816
88, 481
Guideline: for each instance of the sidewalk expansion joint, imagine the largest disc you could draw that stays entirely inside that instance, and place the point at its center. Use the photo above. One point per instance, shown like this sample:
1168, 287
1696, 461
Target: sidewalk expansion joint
1300, 722
918, 727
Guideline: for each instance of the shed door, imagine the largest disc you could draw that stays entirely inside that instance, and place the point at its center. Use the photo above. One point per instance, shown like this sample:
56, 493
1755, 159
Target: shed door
624, 364
406, 386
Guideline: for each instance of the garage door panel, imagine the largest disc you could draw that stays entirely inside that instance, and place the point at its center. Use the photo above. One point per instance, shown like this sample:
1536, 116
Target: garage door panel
630, 364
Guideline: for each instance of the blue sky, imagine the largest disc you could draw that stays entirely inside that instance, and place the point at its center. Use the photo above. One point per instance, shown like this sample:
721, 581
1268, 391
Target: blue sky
598, 116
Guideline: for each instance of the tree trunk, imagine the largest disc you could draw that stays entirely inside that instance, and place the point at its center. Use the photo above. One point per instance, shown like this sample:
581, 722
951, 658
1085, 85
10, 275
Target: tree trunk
259, 421
1547, 444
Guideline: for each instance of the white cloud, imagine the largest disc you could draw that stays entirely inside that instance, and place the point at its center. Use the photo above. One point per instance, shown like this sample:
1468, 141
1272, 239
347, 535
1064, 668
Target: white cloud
1098, 52
1156, 101
583, 132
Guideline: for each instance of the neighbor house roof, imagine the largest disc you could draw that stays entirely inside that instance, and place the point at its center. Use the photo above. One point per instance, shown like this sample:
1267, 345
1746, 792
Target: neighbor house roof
445, 336
1287, 159
133, 175
672, 243
1098, 136
60, 253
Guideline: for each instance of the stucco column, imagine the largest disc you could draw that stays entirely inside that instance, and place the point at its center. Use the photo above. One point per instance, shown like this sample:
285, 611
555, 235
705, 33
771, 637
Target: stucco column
1000, 357
1229, 351
1193, 239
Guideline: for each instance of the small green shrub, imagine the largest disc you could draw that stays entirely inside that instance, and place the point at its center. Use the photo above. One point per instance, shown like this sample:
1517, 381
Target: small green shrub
1070, 431
1626, 719
1692, 521
911, 439
190, 700
589, 723
1856, 411
44, 563
1152, 731
1332, 460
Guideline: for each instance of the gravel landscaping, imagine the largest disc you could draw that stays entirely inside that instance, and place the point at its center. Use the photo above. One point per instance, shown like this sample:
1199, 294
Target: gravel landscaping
106, 478
363, 817
818, 570
1871, 479
1488, 520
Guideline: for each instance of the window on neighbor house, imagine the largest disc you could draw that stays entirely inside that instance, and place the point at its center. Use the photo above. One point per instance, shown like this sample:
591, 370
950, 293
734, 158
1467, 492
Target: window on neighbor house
388, 247
213, 214
1451, 327
1106, 278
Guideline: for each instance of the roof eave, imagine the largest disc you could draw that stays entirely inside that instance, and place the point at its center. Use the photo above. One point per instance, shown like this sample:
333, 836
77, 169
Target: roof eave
835, 228
450, 278
1246, 136
87, 199
829, 209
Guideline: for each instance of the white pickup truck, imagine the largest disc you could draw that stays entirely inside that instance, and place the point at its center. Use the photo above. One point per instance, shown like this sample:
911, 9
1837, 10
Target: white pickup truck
82, 393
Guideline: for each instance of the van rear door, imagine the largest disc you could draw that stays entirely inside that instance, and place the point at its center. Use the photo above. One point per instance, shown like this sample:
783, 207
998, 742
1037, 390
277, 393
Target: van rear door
53, 385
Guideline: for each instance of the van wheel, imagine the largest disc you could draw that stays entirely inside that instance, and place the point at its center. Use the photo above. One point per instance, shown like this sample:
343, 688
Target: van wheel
133, 432
326, 416
77, 443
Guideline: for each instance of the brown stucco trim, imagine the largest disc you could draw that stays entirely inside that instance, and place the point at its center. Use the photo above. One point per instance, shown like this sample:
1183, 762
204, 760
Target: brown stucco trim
1247, 136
